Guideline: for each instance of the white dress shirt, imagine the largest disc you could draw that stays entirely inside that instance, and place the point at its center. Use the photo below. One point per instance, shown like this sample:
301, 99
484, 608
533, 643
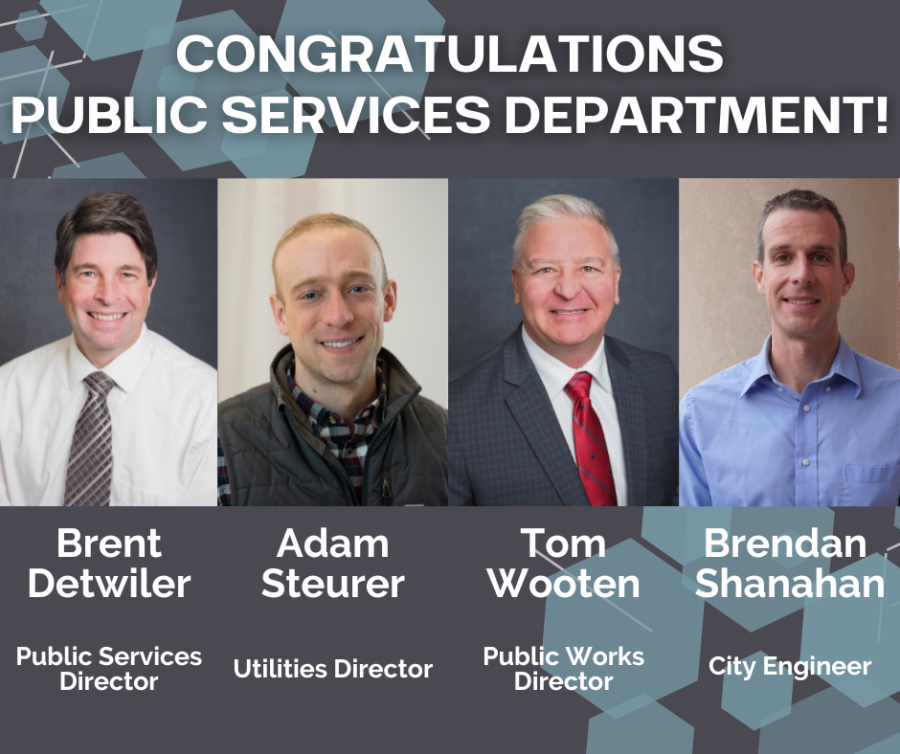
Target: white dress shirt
163, 414
555, 375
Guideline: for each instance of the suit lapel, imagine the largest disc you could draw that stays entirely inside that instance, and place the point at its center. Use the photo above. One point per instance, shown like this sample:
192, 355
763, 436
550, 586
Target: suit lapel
630, 410
530, 407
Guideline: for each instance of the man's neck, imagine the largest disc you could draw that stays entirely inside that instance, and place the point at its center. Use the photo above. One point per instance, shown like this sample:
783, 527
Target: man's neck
345, 400
797, 362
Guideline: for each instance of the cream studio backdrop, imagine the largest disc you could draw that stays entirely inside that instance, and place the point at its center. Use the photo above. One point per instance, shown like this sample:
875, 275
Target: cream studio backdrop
409, 219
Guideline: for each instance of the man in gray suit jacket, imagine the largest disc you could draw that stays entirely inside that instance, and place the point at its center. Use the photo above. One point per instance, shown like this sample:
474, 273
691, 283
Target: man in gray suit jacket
559, 413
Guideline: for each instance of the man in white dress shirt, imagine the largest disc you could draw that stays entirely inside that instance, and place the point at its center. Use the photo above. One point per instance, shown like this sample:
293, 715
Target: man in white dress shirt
560, 413
112, 414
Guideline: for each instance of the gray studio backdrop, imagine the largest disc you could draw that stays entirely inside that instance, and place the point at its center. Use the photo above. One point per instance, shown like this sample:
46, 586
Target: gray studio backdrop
643, 214
183, 214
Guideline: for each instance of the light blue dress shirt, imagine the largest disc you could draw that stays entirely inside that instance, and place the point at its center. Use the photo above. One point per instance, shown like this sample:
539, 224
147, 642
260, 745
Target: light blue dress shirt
748, 439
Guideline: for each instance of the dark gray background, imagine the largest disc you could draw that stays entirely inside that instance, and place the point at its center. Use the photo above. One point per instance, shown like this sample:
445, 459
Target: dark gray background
446, 614
770, 48
643, 215
183, 305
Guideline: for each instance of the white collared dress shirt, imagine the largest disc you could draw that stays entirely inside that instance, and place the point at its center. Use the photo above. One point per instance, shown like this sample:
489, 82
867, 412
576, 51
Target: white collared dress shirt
555, 375
163, 415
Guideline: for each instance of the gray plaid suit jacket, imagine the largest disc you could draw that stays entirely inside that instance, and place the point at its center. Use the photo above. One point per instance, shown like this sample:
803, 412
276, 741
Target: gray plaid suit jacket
507, 448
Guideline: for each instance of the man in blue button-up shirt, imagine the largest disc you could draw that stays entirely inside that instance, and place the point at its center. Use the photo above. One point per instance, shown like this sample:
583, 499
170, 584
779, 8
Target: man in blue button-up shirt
809, 421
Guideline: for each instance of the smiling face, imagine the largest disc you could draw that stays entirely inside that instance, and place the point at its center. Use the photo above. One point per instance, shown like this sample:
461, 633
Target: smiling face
106, 295
801, 277
567, 285
333, 306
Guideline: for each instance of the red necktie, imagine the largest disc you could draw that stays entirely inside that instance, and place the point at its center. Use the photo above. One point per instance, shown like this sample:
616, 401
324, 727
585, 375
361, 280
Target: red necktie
591, 454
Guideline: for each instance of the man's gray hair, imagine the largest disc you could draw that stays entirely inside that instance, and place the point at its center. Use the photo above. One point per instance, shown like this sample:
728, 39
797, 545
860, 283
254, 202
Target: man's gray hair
559, 207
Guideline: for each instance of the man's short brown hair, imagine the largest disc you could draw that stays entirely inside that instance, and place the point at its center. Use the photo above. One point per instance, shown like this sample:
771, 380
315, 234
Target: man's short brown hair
325, 220
108, 213
801, 200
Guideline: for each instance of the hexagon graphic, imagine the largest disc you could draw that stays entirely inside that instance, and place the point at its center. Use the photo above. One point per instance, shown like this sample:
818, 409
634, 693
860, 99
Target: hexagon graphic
865, 629
781, 568
271, 155
897, 518
888, 746
111, 166
27, 73
106, 28
680, 532
175, 82
649, 643
757, 699
650, 728
31, 25
830, 723
373, 19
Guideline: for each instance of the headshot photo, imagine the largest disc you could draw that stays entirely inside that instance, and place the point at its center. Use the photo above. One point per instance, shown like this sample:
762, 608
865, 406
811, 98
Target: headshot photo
333, 343
107, 361
789, 343
563, 342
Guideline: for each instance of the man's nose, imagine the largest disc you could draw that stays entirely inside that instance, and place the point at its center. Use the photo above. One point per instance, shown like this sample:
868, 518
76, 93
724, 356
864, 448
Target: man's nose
106, 291
337, 312
567, 286
802, 272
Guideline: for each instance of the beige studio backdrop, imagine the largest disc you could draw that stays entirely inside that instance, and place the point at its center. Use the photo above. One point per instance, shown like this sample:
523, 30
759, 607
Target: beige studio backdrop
723, 318
409, 219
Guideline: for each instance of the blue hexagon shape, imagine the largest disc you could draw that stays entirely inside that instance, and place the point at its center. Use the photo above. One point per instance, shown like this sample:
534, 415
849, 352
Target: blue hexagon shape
865, 629
284, 156
31, 25
373, 19
111, 166
105, 28
680, 532
758, 698
650, 728
599, 637
897, 518
830, 723
755, 612
175, 82
259, 155
27, 73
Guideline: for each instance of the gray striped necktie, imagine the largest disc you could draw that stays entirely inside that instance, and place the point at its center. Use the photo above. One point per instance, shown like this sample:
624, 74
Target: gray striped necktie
90, 461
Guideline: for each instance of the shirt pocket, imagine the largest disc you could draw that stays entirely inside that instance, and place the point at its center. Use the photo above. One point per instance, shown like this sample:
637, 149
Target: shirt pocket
871, 485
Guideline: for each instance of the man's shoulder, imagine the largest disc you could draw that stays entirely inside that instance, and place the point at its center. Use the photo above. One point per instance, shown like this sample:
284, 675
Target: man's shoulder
729, 383
34, 362
486, 370
256, 400
639, 359
191, 370
878, 375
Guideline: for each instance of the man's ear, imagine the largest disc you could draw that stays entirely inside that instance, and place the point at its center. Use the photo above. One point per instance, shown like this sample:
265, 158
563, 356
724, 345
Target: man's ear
390, 300
758, 277
849, 273
59, 286
278, 313
515, 278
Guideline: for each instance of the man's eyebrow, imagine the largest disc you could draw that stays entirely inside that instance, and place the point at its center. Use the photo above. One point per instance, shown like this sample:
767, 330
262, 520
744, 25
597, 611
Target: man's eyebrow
597, 261
348, 275
813, 247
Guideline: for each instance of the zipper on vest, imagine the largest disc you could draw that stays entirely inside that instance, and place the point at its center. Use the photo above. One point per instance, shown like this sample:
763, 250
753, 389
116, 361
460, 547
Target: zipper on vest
385, 489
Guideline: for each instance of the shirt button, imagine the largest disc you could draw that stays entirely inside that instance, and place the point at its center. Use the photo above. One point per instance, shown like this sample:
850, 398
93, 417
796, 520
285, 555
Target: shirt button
781, 390
805, 462
827, 389
806, 408
332, 420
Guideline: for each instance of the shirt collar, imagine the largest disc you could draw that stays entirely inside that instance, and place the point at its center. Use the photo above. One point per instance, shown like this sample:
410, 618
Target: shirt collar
844, 364
370, 414
556, 375
125, 370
